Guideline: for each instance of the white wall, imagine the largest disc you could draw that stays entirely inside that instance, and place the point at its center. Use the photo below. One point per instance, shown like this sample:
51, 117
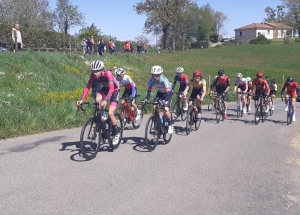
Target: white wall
267, 33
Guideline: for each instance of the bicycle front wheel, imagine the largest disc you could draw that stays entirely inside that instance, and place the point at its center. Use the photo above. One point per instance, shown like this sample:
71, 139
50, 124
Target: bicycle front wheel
114, 142
175, 111
289, 116
90, 139
189, 120
257, 115
122, 111
219, 111
198, 122
152, 133
166, 136
138, 118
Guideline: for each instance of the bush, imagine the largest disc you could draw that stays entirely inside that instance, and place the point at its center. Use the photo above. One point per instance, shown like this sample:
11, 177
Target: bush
261, 39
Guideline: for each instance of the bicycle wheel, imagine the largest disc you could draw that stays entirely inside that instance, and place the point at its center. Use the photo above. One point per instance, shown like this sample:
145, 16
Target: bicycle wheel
90, 139
136, 123
218, 111
114, 142
263, 113
238, 110
198, 122
175, 111
257, 115
183, 113
189, 120
166, 136
289, 116
270, 108
152, 133
122, 111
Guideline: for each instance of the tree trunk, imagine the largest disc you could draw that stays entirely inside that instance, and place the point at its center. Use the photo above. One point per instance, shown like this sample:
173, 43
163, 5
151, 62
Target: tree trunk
165, 37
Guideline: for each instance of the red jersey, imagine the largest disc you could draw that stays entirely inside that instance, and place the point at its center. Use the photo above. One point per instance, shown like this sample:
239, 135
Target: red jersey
291, 89
260, 84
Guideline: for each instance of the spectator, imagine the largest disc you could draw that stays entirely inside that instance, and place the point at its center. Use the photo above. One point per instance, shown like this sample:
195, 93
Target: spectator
83, 46
101, 46
89, 46
111, 46
131, 47
16, 35
158, 50
93, 44
145, 48
127, 46
139, 48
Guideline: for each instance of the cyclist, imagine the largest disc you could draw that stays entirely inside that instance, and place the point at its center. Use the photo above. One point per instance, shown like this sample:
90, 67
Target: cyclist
222, 85
241, 85
130, 88
249, 93
183, 82
164, 93
273, 90
104, 87
198, 92
261, 88
291, 91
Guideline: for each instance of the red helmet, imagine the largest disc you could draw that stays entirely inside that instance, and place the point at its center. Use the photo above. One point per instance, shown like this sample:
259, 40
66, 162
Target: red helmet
259, 74
197, 73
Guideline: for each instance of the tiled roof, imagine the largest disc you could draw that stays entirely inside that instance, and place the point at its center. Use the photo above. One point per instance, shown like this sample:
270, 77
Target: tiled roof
266, 25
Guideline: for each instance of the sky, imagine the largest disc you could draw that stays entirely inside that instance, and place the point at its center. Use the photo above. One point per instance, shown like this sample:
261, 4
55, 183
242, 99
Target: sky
118, 19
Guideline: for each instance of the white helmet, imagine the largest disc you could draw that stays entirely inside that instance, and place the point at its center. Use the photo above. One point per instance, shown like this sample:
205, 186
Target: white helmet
179, 70
156, 70
97, 65
248, 79
120, 71
239, 75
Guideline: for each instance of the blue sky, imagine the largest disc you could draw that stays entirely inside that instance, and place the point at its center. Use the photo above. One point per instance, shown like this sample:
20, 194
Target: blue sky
117, 17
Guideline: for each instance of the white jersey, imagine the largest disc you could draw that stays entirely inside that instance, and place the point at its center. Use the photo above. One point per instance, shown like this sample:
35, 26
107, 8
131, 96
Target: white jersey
241, 83
127, 82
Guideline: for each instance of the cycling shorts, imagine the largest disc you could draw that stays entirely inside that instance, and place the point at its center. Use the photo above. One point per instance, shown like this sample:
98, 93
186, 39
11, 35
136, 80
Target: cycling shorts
273, 92
162, 96
196, 92
128, 92
114, 99
243, 88
225, 95
258, 93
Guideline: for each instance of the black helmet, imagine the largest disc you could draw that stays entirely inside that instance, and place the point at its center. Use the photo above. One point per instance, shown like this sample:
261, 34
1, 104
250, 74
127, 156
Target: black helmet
289, 79
273, 81
221, 72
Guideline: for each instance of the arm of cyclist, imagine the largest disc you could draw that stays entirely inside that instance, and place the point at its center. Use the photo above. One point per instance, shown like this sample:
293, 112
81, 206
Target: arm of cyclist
85, 91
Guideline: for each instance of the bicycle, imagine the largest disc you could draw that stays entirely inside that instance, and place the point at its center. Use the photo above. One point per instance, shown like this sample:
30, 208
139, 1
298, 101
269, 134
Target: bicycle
260, 111
249, 94
155, 127
177, 109
211, 102
219, 107
96, 130
289, 114
270, 106
128, 113
192, 118
239, 103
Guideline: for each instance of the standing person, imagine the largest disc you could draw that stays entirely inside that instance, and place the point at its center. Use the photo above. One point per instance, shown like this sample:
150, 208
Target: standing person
93, 45
145, 49
89, 46
101, 46
105, 88
198, 85
291, 91
17, 38
131, 47
222, 85
139, 48
164, 93
83, 46
273, 90
183, 84
261, 88
127, 46
111, 46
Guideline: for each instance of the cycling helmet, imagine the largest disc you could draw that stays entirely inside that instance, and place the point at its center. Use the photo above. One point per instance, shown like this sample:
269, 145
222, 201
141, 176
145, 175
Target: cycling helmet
197, 73
221, 72
248, 79
239, 75
156, 70
259, 74
273, 81
289, 79
120, 71
179, 70
97, 65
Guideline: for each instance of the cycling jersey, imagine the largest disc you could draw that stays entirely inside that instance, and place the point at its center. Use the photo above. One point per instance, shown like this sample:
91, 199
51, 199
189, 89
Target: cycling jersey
241, 83
290, 89
162, 85
129, 85
221, 84
183, 81
260, 85
106, 83
249, 86
198, 88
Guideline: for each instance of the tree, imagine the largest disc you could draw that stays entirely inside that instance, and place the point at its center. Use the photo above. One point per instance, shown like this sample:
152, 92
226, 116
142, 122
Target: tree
221, 20
27, 13
67, 16
88, 32
162, 15
142, 39
275, 15
293, 13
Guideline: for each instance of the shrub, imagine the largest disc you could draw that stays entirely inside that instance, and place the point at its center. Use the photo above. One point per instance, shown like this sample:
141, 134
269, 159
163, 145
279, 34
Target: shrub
261, 39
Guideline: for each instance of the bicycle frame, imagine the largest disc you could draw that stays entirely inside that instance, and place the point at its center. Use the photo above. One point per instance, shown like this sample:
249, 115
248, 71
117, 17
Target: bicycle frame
219, 107
127, 110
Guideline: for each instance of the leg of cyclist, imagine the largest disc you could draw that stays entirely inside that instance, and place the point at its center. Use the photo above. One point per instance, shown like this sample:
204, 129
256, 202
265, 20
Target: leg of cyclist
167, 103
199, 105
287, 96
266, 101
294, 107
225, 104
111, 111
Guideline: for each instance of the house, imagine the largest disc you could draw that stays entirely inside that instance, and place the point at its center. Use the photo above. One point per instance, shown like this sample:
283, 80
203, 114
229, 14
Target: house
270, 30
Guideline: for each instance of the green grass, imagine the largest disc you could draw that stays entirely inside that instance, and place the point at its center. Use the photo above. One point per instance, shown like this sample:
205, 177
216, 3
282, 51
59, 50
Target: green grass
39, 90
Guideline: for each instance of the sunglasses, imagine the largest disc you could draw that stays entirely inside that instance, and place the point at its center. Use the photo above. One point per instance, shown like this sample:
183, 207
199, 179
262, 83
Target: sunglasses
179, 73
96, 71
119, 76
155, 76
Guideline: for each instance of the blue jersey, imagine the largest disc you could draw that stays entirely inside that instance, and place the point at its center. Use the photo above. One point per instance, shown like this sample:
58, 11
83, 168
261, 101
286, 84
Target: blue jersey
162, 85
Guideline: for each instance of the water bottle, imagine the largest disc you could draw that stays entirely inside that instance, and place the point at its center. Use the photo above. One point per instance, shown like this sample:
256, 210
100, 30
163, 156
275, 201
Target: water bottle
104, 116
161, 119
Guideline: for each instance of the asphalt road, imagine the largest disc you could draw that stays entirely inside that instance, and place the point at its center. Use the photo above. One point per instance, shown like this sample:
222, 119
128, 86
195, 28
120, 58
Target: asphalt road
233, 167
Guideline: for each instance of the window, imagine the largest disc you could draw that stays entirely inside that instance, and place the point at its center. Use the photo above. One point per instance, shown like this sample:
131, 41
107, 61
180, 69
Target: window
241, 33
268, 32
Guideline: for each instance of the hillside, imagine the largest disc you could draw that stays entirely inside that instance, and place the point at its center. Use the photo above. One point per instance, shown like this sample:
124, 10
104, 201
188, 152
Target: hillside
39, 90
